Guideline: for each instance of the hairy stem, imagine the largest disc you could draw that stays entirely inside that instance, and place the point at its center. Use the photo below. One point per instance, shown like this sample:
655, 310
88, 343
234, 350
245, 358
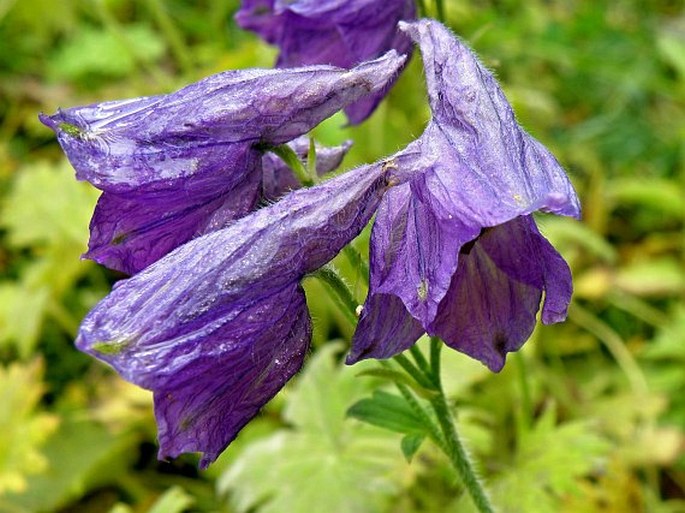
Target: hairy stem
445, 435
453, 447
288, 155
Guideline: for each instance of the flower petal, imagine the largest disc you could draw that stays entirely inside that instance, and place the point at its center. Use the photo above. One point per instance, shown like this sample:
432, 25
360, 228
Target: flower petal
385, 329
414, 249
341, 33
495, 294
201, 406
160, 142
130, 231
502, 171
258, 16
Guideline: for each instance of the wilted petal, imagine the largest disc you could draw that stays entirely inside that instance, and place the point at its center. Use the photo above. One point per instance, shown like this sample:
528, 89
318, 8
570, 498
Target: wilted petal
473, 167
178, 165
258, 16
414, 249
278, 178
230, 295
495, 294
202, 405
159, 142
130, 231
502, 171
455, 241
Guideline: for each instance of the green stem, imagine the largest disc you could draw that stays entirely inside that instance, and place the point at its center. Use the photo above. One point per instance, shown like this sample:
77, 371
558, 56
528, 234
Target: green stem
292, 160
341, 292
448, 440
436, 347
440, 9
422, 9
421, 362
453, 448
173, 36
311, 161
414, 372
458, 456
420, 411
357, 262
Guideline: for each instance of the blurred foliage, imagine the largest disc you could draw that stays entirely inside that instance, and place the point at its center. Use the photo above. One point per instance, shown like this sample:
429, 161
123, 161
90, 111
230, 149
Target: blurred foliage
22, 429
588, 417
323, 455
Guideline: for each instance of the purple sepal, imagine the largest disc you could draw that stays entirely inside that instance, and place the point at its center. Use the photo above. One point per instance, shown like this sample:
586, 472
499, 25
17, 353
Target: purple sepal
202, 406
490, 307
131, 230
384, 330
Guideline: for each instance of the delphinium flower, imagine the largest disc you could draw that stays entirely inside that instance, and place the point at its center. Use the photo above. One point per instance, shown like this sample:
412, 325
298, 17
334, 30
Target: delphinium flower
218, 326
174, 166
338, 32
455, 251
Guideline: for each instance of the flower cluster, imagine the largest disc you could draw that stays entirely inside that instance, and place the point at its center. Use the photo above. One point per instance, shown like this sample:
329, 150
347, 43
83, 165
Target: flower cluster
214, 320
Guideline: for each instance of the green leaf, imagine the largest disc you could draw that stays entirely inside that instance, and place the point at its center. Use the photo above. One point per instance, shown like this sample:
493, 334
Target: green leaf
174, 500
102, 52
663, 196
410, 445
671, 44
668, 344
329, 386
550, 463
21, 316
324, 463
22, 429
388, 411
655, 277
402, 379
48, 206
81, 455
47, 211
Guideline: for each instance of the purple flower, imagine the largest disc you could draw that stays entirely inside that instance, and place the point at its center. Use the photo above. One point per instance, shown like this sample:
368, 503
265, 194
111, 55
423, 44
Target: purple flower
338, 32
216, 327
176, 166
454, 249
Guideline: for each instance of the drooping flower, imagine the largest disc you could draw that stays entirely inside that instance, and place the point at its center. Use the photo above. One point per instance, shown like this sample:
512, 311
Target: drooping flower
454, 249
219, 325
178, 165
338, 32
